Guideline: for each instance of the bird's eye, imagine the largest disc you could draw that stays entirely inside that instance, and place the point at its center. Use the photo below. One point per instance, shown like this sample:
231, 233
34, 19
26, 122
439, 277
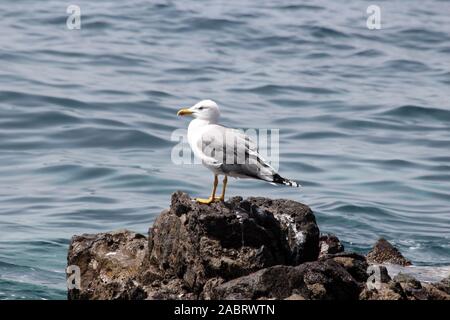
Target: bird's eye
201, 108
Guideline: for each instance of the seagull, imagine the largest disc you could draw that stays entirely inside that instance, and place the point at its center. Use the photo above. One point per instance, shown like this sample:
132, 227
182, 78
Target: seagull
225, 151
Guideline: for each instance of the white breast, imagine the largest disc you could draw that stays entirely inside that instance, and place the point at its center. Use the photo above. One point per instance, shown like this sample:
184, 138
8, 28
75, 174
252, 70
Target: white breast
195, 132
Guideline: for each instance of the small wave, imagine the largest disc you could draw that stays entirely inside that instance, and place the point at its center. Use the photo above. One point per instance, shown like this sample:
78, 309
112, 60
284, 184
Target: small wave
318, 55
303, 167
52, 20
257, 42
369, 53
421, 273
115, 93
73, 172
441, 168
96, 25
290, 7
157, 93
445, 159
60, 53
423, 35
271, 89
397, 163
211, 24
444, 50
117, 60
357, 124
324, 32
19, 290
405, 65
33, 120
444, 77
29, 99
319, 135
93, 137
434, 177
372, 210
418, 112
186, 71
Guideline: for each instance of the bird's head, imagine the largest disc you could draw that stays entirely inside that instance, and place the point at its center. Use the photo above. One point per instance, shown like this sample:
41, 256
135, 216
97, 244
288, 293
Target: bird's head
205, 110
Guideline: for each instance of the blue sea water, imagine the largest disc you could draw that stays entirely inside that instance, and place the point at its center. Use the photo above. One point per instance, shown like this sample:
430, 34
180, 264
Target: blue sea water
86, 118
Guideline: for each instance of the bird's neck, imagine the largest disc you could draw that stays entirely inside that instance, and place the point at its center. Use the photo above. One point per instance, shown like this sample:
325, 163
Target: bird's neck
195, 126
196, 123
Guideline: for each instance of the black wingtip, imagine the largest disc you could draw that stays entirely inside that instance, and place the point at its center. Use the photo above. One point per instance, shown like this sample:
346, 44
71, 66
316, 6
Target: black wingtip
280, 180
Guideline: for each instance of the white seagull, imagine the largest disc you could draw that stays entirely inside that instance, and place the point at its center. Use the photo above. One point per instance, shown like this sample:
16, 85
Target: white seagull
225, 151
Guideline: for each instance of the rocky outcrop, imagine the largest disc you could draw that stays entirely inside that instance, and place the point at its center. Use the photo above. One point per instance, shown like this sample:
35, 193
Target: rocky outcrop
197, 242
405, 287
353, 263
109, 264
255, 248
324, 280
384, 252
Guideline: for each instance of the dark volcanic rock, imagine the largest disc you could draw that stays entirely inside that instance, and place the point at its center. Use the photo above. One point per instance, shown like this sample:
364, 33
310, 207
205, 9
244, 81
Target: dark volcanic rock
319, 280
242, 249
109, 264
380, 287
196, 242
383, 252
296, 221
169, 289
439, 290
385, 291
354, 263
412, 288
415, 290
405, 287
444, 285
329, 244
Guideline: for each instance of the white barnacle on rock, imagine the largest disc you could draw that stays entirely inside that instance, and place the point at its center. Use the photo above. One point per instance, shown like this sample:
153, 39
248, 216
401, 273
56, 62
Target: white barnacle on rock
289, 222
104, 277
111, 254
324, 247
299, 236
93, 264
239, 216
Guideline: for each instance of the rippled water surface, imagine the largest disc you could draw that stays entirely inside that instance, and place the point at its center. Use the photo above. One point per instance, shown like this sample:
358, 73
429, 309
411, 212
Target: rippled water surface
86, 118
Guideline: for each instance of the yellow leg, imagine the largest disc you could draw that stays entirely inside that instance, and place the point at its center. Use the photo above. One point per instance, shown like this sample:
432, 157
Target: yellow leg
213, 194
224, 187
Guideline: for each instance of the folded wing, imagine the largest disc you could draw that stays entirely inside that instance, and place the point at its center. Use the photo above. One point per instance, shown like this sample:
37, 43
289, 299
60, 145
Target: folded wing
235, 154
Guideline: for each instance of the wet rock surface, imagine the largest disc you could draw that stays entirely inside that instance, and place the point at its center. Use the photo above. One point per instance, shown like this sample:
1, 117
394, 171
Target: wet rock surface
405, 287
256, 248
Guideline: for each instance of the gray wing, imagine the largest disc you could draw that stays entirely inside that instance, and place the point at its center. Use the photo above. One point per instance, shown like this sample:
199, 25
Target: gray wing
234, 153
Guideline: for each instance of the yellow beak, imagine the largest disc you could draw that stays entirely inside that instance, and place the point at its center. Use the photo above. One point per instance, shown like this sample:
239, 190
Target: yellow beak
184, 112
